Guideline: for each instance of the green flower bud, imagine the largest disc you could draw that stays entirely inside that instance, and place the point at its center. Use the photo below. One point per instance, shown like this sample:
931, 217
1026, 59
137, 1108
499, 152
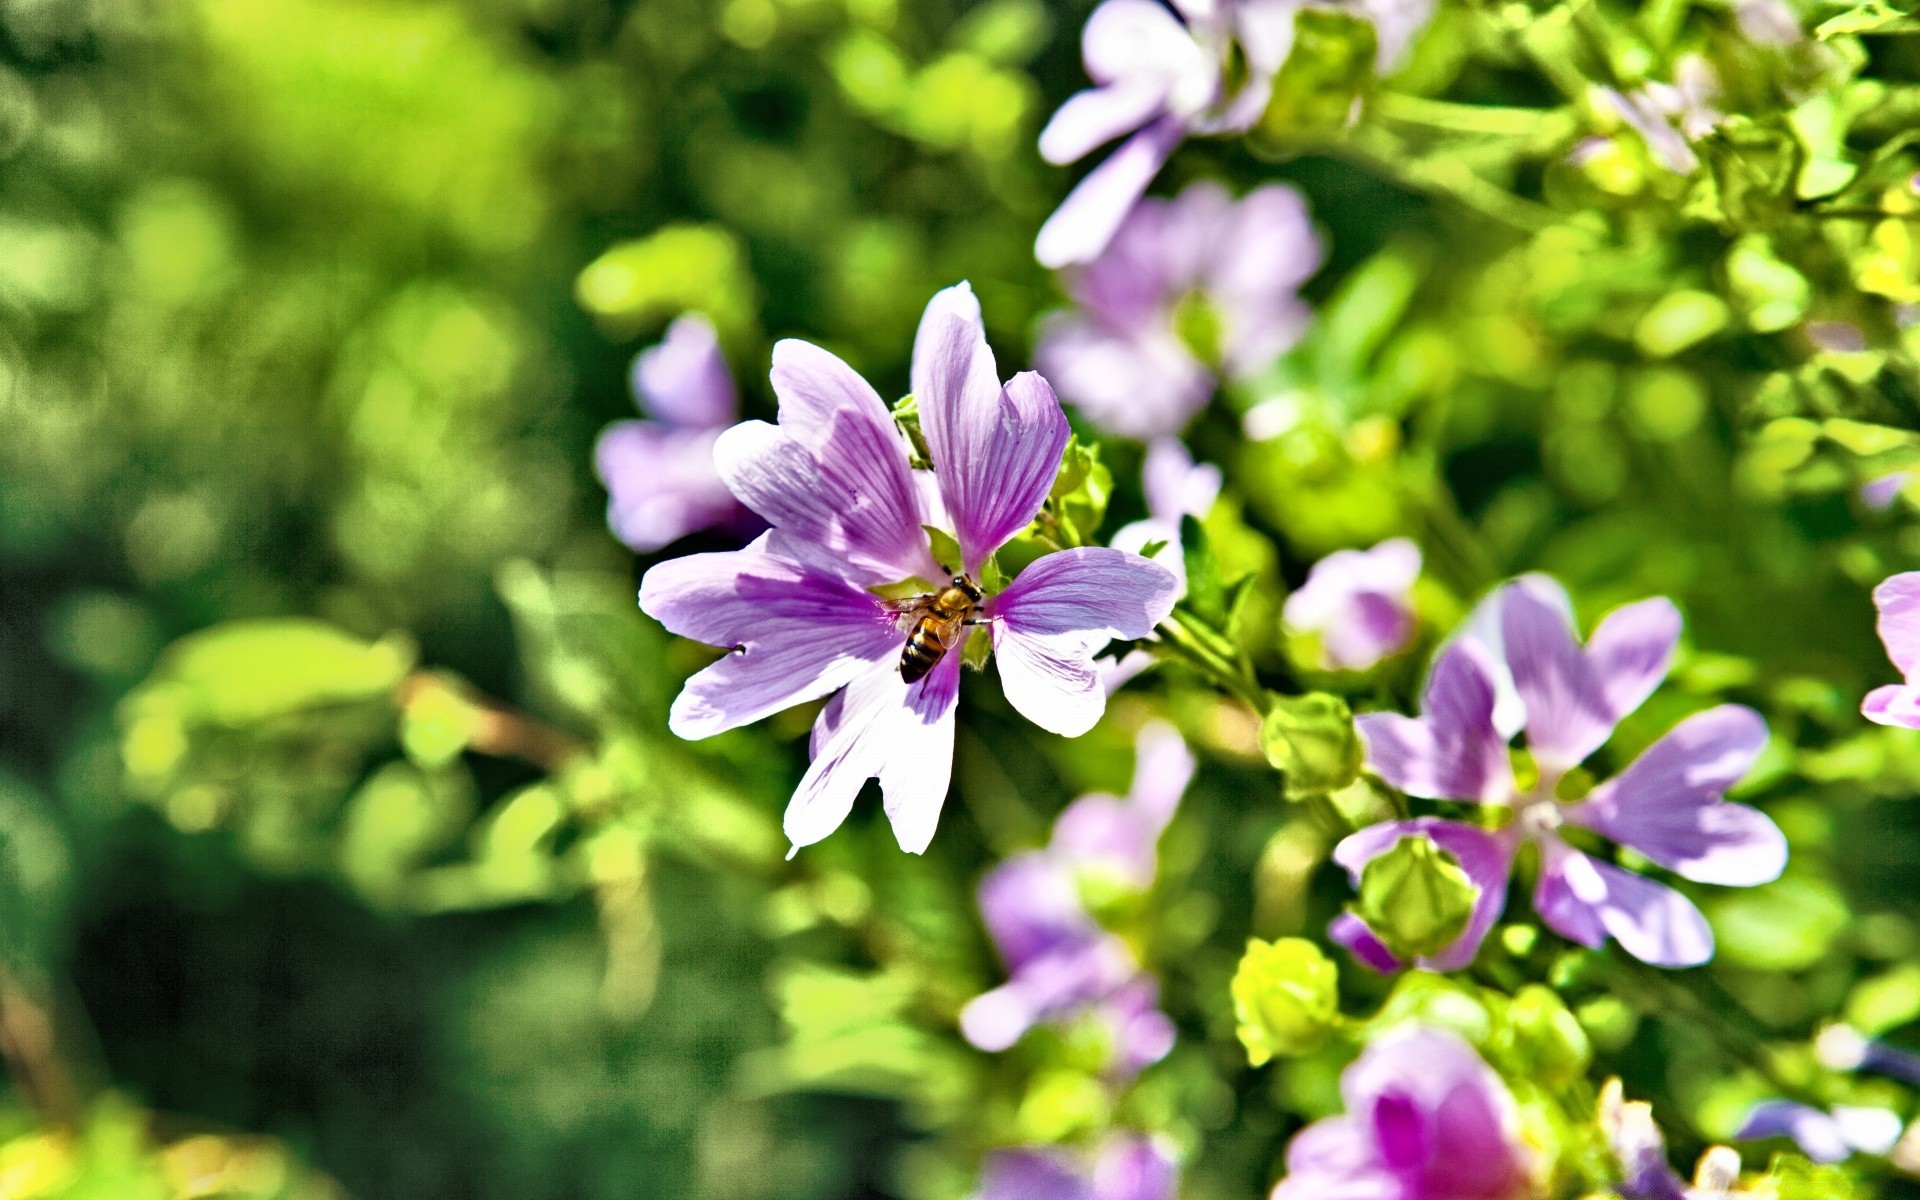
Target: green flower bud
1415, 898
1285, 998
1545, 1040
1311, 739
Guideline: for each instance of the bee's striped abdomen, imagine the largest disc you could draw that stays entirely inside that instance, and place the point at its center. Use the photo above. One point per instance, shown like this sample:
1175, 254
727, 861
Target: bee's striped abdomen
923, 652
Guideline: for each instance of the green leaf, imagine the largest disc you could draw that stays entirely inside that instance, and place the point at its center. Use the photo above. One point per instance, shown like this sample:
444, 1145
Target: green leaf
1208, 599
946, 551
248, 671
1875, 16
1311, 739
1330, 67
906, 414
1772, 294
1285, 998
1415, 898
702, 268
1078, 502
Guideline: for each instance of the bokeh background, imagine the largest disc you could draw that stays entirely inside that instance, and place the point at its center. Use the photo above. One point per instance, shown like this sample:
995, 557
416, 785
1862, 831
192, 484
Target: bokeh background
387, 881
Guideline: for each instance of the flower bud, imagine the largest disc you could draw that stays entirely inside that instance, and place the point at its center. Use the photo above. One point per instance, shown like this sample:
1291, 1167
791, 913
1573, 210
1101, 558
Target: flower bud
1285, 998
1415, 898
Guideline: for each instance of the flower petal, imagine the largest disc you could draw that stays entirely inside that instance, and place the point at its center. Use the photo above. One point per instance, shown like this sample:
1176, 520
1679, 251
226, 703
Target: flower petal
995, 450
1817, 1134
796, 634
1090, 589
1568, 716
1138, 385
1585, 900
1176, 486
859, 737
1630, 651
1090, 215
919, 765
1453, 752
834, 475
1133, 39
1353, 933
1894, 704
1092, 117
662, 483
1898, 601
684, 380
1667, 804
1132, 1167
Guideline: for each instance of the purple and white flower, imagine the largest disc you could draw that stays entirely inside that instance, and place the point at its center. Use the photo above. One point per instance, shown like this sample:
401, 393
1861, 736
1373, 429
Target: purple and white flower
1825, 1137
1668, 804
1359, 603
1190, 288
848, 511
1175, 487
659, 474
1160, 75
1125, 1166
1844, 1048
1898, 601
1641, 1149
1425, 1119
1061, 964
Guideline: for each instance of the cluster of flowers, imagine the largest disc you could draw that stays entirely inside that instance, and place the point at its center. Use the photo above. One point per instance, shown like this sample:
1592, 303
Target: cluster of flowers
1064, 968
857, 533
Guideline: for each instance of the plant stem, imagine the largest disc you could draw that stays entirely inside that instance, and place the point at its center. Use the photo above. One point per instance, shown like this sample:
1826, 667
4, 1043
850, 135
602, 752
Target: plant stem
1496, 120
1202, 650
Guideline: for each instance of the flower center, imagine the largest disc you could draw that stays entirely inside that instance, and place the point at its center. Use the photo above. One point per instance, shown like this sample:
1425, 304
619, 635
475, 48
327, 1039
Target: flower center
1199, 326
1539, 815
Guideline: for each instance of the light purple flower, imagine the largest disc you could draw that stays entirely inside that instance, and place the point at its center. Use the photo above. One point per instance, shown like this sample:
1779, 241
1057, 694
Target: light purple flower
1668, 804
1126, 1166
1159, 75
1360, 604
1231, 267
1061, 964
1884, 492
1898, 599
1425, 1119
659, 474
835, 481
1175, 487
1825, 1137
1639, 1146
1114, 837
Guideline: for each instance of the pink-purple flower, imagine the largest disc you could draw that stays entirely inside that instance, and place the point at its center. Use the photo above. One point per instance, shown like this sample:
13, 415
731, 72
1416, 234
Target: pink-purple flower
1898, 600
1061, 965
1190, 289
1160, 74
1668, 804
1125, 1166
659, 473
1359, 603
1425, 1119
849, 513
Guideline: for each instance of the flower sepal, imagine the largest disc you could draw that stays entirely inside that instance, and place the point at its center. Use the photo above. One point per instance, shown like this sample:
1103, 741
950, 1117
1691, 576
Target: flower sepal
1415, 898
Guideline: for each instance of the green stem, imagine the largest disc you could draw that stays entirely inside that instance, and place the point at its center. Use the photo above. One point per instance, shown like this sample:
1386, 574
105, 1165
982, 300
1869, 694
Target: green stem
1202, 651
1496, 120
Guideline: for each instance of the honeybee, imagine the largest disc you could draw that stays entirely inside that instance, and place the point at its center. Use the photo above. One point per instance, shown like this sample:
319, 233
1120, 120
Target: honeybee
940, 621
